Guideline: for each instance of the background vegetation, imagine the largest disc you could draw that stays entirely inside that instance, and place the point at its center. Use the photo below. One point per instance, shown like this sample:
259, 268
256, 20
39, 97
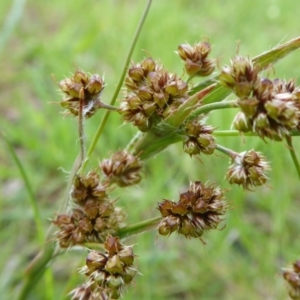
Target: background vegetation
39, 38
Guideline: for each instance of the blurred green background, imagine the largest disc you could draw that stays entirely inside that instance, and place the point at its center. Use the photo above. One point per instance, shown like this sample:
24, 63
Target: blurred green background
40, 38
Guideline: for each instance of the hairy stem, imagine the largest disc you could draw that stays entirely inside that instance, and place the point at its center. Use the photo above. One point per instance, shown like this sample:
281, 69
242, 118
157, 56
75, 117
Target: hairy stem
81, 127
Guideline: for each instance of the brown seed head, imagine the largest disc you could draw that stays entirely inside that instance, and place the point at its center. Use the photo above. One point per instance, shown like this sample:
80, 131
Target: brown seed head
272, 110
152, 94
248, 169
240, 76
110, 272
88, 187
122, 169
84, 88
196, 58
199, 209
199, 138
292, 276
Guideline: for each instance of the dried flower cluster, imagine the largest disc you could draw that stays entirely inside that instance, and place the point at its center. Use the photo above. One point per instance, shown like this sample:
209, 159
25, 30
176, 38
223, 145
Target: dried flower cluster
81, 88
108, 273
292, 277
152, 94
199, 138
269, 108
122, 169
248, 169
199, 209
93, 217
196, 58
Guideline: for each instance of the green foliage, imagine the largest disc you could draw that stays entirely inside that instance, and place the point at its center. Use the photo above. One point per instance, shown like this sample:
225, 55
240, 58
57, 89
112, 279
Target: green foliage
243, 260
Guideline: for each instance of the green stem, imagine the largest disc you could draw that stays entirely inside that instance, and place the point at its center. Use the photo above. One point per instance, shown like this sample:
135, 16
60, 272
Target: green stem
37, 219
35, 271
190, 78
204, 109
232, 133
108, 107
138, 227
293, 154
232, 154
120, 83
14, 15
32, 198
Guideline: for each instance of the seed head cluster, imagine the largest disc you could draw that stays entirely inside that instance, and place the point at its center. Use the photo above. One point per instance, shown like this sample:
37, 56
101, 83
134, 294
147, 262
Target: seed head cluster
271, 108
93, 216
122, 168
108, 273
292, 277
152, 94
199, 209
199, 138
196, 61
81, 87
248, 169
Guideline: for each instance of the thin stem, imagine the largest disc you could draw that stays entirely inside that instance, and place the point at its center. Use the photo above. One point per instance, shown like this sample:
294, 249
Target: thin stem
108, 107
32, 198
232, 154
293, 154
12, 18
138, 227
190, 78
81, 127
232, 133
35, 271
120, 83
37, 218
213, 106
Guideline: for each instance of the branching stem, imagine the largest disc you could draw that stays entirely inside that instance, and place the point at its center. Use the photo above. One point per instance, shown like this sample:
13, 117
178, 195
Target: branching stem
204, 109
232, 154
